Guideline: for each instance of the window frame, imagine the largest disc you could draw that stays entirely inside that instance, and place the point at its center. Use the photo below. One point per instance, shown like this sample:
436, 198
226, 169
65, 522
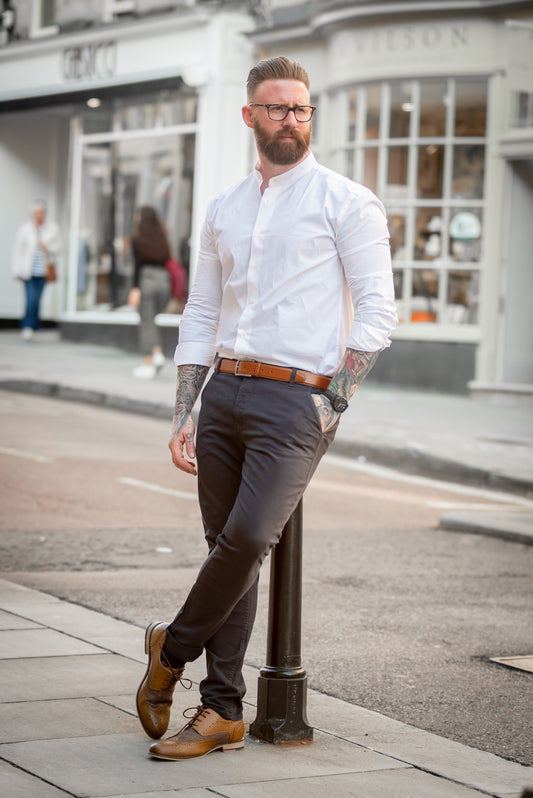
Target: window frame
346, 147
114, 8
37, 29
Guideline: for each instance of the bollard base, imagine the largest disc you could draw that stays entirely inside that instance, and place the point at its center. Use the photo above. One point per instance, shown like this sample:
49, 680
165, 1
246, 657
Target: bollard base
281, 711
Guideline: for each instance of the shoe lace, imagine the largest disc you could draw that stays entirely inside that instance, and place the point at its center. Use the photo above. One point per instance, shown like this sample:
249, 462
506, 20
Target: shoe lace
177, 673
198, 712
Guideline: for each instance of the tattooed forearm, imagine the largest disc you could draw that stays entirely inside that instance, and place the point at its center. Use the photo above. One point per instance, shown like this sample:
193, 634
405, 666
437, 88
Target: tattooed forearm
190, 381
353, 370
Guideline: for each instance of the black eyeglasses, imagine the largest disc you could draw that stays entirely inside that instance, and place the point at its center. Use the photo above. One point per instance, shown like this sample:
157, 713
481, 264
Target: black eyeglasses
277, 113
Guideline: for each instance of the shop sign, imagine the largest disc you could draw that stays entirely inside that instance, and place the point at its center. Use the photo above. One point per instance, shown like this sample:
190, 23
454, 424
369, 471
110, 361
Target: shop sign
425, 46
96, 61
389, 42
407, 38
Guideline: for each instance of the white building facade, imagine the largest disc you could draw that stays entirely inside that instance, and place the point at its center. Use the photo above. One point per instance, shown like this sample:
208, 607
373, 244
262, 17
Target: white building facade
105, 107
430, 105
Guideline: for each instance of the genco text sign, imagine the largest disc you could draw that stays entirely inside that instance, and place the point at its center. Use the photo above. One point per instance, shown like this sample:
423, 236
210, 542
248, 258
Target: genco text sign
90, 61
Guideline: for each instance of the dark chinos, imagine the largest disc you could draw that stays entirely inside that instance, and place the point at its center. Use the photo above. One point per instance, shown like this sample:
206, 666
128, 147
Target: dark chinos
259, 442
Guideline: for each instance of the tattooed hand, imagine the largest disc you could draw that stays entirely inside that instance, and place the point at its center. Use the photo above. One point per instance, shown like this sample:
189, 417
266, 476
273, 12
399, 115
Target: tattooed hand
354, 368
328, 416
182, 449
181, 444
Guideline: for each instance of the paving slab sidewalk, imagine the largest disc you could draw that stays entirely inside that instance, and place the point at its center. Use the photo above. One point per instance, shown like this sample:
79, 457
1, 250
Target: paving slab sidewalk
68, 678
68, 675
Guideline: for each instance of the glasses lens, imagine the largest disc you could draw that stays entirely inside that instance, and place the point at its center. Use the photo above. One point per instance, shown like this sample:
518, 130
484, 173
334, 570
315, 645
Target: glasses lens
278, 112
303, 113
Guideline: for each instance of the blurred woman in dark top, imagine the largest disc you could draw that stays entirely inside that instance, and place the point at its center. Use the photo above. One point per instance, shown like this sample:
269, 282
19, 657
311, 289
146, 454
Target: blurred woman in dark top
151, 287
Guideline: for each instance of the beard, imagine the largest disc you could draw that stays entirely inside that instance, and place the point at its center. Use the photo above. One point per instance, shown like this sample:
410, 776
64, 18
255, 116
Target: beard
282, 153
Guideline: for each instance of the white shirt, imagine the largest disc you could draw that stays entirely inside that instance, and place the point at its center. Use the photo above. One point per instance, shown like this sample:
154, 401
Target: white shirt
293, 276
38, 266
26, 243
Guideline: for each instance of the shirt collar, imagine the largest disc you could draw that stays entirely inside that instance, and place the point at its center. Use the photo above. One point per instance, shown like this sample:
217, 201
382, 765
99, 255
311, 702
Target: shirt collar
291, 175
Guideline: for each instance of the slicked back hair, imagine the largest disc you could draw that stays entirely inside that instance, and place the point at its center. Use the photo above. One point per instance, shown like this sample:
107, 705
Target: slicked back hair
279, 68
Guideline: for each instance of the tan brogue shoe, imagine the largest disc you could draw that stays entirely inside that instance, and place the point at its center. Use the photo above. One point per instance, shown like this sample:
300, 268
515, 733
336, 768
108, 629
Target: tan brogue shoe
154, 696
205, 732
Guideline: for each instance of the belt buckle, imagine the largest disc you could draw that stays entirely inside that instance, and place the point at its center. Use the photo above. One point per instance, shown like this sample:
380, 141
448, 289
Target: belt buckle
237, 373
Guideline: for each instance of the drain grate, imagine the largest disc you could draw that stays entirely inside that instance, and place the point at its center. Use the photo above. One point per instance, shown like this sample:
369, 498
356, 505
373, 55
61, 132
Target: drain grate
522, 663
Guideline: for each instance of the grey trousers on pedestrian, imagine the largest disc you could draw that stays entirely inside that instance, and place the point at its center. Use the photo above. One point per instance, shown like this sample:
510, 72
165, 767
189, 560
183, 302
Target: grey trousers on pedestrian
155, 293
258, 444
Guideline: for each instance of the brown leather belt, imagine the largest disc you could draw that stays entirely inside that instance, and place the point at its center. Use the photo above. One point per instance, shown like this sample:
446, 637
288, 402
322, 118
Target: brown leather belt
251, 368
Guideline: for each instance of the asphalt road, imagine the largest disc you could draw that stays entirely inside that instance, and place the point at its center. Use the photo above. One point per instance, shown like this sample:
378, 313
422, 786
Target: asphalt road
399, 617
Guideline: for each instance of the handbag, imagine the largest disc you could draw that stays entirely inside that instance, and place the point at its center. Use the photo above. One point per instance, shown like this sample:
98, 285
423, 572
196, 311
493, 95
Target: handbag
178, 278
50, 274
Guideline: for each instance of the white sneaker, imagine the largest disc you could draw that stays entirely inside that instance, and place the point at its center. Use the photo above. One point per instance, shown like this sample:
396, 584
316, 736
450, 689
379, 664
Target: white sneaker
146, 371
27, 333
158, 359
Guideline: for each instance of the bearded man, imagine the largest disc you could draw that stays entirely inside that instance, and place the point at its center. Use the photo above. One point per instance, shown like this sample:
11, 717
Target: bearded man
292, 302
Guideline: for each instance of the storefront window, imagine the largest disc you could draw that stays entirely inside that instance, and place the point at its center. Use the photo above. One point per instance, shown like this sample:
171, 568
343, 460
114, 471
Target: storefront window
428, 233
397, 169
373, 100
430, 171
424, 305
523, 109
135, 150
370, 178
462, 299
163, 109
117, 7
465, 234
47, 13
468, 171
432, 184
397, 224
118, 177
98, 119
401, 107
470, 107
350, 163
42, 18
164, 112
352, 113
433, 103
398, 285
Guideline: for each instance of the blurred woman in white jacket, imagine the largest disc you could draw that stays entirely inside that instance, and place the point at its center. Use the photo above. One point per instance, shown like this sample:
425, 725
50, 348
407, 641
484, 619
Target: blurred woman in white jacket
37, 243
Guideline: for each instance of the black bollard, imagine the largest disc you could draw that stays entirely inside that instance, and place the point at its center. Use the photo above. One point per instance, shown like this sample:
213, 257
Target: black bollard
282, 684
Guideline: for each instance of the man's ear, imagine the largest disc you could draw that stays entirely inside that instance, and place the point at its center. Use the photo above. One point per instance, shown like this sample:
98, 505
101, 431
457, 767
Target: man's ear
247, 116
